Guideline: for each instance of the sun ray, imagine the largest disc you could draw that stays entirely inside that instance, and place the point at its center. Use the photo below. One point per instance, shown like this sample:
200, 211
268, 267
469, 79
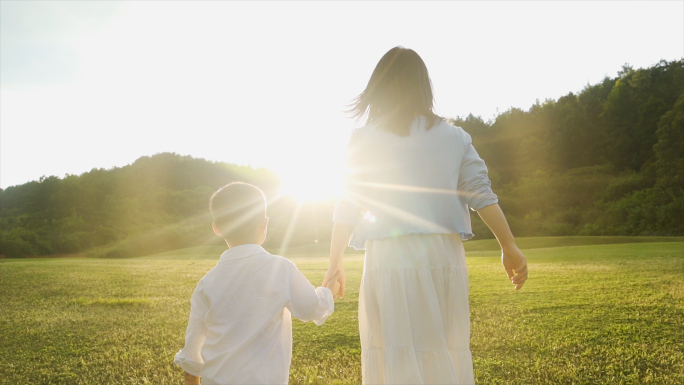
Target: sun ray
290, 230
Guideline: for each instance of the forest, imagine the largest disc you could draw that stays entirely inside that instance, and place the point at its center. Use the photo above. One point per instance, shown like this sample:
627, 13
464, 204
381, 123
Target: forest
608, 160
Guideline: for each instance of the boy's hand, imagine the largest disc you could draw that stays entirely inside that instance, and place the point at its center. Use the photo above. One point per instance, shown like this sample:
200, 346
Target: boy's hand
191, 380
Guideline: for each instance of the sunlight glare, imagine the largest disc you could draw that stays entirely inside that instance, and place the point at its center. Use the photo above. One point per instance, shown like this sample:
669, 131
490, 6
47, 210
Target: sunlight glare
311, 183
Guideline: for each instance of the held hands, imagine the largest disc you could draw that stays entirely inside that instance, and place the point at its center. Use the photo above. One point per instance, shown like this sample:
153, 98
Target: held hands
334, 286
515, 264
191, 380
335, 280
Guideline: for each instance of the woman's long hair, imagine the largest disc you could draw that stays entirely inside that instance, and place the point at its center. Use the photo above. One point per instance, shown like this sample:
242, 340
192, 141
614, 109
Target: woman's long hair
398, 90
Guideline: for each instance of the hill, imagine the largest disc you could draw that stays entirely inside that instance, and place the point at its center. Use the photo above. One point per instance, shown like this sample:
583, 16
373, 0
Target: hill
607, 161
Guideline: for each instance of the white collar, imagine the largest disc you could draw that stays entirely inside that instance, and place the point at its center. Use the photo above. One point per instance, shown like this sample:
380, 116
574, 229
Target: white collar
241, 251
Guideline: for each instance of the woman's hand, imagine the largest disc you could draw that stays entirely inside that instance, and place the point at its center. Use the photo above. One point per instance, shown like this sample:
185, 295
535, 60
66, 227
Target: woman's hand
515, 264
338, 244
512, 258
332, 275
334, 286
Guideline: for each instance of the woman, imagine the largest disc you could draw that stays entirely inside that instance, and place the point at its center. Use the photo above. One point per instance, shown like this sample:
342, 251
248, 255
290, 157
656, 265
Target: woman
411, 179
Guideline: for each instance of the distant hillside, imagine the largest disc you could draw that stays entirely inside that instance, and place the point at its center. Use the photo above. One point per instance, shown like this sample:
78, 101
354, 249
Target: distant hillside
608, 160
157, 203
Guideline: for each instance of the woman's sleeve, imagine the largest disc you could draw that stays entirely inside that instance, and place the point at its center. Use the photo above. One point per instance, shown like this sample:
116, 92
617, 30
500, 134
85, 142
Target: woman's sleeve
474, 185
347, 210
190, 357
307, 303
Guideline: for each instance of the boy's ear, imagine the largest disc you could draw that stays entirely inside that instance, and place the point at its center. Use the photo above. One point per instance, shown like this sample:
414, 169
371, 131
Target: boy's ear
264, 225
262, 230
216, 230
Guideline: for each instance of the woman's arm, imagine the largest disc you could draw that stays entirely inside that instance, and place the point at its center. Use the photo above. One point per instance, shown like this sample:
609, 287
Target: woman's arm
512, 258
340, 239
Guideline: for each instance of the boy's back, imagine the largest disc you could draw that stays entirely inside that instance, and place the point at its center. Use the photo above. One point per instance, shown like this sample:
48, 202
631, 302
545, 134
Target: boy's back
240, 328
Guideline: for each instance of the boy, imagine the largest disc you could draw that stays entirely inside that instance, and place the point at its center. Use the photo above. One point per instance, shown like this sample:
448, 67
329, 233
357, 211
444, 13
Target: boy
240, 327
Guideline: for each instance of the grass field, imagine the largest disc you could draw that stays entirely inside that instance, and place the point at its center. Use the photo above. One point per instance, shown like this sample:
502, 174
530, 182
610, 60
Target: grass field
595, 311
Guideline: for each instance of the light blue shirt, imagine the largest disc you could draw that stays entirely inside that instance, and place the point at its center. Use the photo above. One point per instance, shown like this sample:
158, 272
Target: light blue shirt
422, 183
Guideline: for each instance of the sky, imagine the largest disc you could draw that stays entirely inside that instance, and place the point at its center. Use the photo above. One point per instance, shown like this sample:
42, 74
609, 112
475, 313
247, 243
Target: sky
89, 84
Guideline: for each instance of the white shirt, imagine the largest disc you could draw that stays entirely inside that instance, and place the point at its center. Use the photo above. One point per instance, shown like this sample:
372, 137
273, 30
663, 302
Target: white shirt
240, 326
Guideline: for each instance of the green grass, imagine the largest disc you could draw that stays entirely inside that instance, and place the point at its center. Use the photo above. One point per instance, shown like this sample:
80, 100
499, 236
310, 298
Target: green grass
526, 243
321, 249
595, 311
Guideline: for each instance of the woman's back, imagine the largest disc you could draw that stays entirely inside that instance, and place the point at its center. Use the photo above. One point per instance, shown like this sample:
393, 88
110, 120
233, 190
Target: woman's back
416, 184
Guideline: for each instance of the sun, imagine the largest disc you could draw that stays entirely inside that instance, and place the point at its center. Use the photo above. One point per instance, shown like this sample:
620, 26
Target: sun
317, 182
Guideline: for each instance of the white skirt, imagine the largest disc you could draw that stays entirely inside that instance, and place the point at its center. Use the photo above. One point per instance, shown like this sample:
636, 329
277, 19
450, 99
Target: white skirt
414, 319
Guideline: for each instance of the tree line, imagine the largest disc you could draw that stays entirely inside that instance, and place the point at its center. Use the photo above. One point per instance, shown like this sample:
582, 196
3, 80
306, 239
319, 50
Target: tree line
608, 160
158, 203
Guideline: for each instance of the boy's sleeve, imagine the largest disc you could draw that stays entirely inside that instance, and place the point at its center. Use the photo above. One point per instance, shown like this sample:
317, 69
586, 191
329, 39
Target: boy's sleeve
190, 357
307, 303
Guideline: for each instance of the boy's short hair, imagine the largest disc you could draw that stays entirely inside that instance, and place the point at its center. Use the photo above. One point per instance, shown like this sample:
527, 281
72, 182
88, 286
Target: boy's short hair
237, 210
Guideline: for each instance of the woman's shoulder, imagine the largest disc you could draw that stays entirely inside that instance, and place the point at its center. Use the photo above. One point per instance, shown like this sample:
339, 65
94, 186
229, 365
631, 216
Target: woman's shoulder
369, 129
368, 134
444, 130
447, 129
